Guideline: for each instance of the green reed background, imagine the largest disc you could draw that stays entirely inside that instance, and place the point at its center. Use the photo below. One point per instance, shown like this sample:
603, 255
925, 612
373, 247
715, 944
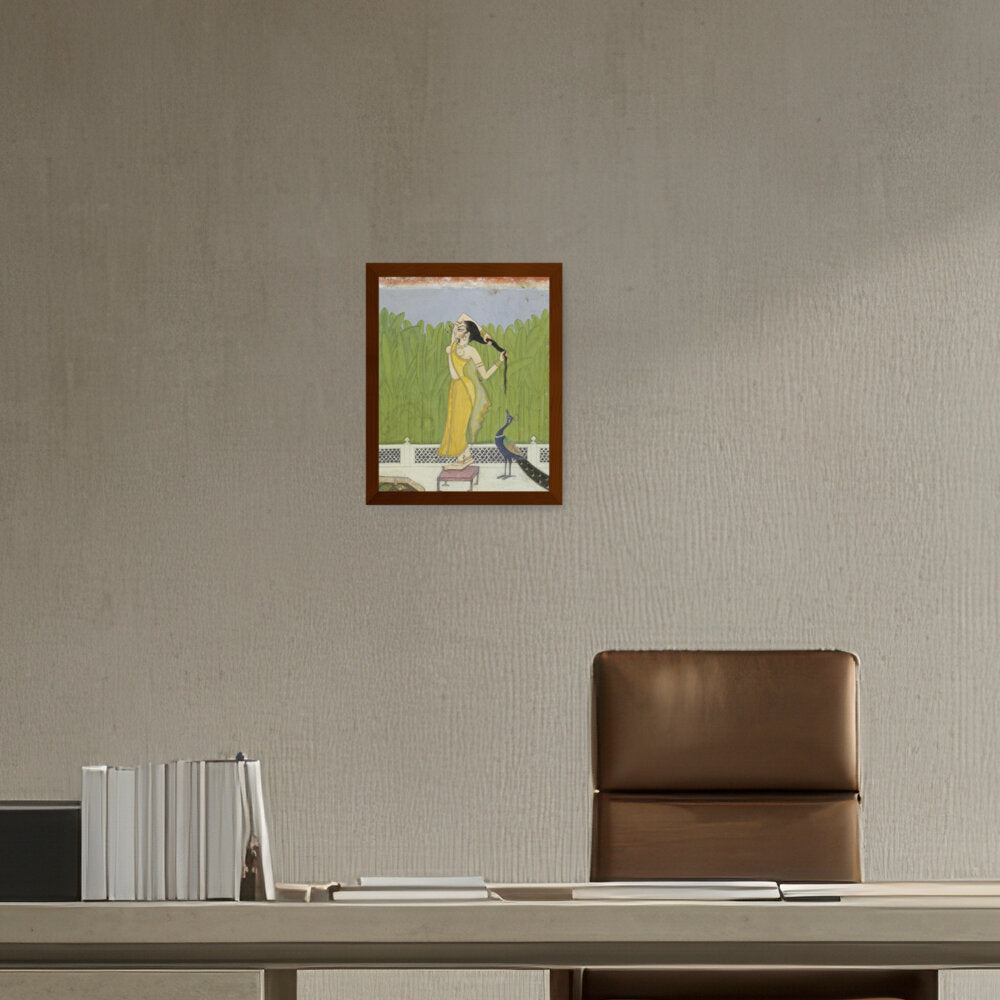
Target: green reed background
414, 379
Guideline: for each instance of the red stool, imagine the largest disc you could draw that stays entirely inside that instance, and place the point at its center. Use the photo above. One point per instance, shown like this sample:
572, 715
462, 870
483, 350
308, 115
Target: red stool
470, 475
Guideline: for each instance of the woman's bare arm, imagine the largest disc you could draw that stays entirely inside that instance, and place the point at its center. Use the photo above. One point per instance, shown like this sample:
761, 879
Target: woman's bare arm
484, 373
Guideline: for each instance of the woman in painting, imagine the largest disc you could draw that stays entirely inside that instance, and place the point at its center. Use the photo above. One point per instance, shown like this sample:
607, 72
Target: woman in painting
467, 402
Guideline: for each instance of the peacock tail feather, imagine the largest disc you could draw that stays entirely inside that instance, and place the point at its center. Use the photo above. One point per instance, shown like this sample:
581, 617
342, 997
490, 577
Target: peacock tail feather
533, 473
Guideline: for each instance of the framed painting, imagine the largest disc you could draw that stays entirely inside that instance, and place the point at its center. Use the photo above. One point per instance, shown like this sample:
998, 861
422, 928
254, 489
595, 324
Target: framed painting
463, 384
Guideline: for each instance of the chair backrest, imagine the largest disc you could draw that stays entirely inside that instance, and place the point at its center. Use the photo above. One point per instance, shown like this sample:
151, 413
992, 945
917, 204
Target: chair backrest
725, 765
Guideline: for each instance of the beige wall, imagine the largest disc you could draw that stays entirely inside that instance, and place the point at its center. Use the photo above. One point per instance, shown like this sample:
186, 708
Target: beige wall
779, 224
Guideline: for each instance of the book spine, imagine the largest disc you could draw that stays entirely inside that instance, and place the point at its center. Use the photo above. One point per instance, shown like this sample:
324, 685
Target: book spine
94, 833
170, 832
141, 831
202, 884
121, 861
156, 887
182, 828
223, 823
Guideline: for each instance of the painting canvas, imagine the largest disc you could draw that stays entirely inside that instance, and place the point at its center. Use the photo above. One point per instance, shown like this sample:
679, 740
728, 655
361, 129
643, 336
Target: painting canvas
463, 383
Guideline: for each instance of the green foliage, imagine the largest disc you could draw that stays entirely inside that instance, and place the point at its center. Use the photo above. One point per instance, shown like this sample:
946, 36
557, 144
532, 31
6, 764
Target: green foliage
414, 380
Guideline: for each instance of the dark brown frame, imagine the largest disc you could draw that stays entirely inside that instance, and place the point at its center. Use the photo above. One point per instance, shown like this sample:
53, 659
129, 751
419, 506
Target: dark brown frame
520, 270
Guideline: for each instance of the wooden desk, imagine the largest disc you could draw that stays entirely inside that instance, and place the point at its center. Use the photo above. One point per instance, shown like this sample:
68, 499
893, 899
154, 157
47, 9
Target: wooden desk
283, 937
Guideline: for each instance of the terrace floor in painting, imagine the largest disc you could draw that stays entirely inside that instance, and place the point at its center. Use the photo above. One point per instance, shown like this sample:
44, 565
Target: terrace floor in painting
426, 475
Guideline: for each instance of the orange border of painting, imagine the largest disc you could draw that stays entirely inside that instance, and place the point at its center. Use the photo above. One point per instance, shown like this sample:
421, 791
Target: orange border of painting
553, 495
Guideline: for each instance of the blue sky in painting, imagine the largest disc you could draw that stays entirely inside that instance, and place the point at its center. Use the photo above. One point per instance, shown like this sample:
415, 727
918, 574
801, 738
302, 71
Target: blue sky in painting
499, 306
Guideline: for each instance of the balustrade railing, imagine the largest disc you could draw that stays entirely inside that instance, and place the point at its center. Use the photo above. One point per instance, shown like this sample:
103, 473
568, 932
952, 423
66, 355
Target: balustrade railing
408, 453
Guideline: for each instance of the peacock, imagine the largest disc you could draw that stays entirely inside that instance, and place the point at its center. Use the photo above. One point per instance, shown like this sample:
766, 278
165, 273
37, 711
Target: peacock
510, 452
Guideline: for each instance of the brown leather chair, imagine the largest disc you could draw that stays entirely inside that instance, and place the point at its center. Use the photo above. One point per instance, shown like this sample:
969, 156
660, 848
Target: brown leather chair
728, 765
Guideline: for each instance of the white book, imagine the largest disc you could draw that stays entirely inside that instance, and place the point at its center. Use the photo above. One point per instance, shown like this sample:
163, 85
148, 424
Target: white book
258, 828
179, 820
121, 833
170, 834
421, 882
156, 831
94, 833
709, 889
366, 894
196, 872
141, 830
243, 817
224, 823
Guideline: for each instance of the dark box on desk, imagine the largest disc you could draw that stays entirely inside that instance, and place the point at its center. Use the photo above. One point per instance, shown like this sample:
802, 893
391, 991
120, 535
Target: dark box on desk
39, 851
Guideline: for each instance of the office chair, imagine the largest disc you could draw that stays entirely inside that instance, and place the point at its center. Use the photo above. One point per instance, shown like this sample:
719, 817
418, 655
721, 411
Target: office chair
736, 765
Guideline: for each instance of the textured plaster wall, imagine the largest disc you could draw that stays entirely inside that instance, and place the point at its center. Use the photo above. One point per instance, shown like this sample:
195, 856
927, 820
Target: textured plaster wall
779, 224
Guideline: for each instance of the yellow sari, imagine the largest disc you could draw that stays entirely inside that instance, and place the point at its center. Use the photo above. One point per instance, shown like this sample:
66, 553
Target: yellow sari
467, 405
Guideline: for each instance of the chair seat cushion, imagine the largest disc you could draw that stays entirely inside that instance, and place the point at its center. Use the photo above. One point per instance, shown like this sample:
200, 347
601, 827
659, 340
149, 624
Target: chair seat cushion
783, 837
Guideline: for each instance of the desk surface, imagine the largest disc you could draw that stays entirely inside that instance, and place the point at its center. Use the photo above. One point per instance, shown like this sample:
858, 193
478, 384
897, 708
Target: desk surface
502, 934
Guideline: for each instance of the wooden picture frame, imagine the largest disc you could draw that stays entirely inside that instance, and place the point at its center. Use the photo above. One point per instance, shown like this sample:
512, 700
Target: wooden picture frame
463, 383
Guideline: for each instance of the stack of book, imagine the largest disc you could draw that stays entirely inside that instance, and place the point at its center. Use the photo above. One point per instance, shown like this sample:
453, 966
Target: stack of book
397, 889
187, 829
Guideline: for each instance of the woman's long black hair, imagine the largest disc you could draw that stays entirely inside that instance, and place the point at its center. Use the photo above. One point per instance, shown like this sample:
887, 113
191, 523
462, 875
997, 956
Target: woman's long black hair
475, 334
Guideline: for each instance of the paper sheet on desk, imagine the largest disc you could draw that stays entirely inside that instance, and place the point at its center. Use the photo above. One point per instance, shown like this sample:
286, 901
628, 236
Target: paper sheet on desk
886, 892
705, 889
